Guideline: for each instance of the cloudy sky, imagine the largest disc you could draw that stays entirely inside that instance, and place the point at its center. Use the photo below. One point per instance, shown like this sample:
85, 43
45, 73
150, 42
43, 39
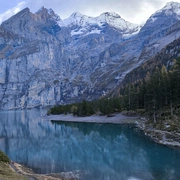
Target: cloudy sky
131, 10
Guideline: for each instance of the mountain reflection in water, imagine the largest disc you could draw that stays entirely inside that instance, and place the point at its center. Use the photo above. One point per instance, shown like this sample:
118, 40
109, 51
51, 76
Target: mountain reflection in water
97, 151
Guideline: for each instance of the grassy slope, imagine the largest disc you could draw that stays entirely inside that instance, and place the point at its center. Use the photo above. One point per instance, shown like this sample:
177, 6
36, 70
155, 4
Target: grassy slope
14, 171
6, 173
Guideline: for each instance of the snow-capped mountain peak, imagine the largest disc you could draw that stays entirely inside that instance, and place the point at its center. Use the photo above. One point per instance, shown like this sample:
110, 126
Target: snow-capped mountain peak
76, 19
169, 9
174, 6
110, 14
115, 20
76, 15
84, 23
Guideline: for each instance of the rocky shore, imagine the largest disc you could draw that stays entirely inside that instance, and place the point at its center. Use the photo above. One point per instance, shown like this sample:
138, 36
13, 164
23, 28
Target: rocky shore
161, 136
165, 136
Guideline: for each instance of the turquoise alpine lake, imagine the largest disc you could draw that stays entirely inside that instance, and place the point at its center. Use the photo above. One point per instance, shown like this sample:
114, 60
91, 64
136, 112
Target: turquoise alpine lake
94, 151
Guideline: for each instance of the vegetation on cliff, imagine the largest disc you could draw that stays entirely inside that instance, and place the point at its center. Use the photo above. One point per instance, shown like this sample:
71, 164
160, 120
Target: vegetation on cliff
6, 172
3, 157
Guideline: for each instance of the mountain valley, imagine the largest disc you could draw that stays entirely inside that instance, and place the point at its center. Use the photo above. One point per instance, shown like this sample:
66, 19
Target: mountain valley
45, 60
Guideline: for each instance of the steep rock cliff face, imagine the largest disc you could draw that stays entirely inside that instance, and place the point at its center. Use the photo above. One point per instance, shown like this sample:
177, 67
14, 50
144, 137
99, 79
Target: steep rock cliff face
31, 59
45, 60
43, 64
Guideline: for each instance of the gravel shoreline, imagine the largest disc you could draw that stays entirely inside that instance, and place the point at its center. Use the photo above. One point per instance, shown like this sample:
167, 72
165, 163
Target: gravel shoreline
171, 139
162, 137
117, 118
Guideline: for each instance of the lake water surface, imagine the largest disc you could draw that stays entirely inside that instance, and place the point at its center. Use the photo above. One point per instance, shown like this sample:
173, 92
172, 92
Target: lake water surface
96, 151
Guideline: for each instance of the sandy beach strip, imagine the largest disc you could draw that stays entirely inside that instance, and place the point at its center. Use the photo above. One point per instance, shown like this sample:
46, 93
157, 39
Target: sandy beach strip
117, 118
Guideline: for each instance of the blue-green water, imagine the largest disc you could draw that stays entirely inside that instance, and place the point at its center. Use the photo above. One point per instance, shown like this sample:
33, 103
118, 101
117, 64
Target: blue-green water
96, 151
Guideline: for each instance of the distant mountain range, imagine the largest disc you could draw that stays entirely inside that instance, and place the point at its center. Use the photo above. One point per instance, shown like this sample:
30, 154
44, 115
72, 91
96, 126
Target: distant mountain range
45, 60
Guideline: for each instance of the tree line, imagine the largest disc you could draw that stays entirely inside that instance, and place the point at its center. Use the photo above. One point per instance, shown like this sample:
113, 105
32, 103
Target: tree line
103, 106
157, 96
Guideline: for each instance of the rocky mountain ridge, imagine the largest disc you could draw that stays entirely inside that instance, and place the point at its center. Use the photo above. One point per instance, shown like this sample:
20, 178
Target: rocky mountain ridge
45, 60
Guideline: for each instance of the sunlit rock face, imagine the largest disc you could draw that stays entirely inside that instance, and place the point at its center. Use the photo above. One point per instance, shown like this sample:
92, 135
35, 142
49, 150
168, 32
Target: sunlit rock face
45, 60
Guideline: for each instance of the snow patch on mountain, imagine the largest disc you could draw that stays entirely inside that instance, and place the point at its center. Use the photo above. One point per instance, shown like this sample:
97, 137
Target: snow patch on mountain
129, 35
84, 31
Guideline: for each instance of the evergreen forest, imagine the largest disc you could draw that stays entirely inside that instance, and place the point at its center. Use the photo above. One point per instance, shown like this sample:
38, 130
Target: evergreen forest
157, 96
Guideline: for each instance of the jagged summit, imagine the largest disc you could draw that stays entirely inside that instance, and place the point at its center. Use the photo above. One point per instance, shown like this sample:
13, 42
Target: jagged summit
76, 18
23, 13
43, 14
40, 10
76, 14
162, 18
172, 6
46, 14
28, 24
116, 21
110, 14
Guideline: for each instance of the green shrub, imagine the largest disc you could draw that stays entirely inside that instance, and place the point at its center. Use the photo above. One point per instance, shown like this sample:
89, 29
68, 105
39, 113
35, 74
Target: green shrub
3, 157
